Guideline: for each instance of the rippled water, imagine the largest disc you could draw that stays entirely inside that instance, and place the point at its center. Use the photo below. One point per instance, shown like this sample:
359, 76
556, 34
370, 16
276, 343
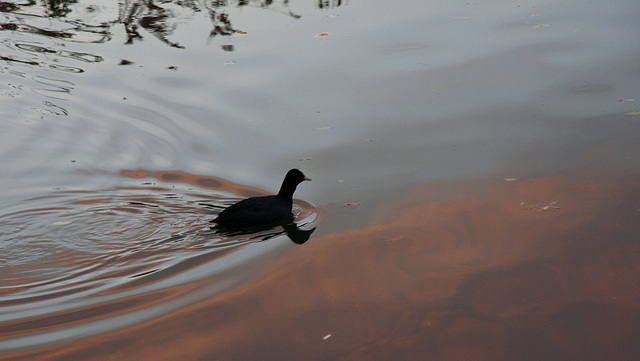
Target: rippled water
82, 262
126, 126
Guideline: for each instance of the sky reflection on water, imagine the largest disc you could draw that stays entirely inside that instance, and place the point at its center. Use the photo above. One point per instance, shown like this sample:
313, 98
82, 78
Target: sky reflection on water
379, 67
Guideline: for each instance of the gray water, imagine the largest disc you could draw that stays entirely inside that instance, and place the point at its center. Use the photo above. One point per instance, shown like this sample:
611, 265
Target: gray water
124, 128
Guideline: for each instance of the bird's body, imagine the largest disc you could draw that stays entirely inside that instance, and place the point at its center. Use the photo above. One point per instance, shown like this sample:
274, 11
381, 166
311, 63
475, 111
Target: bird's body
258, 211
255, 211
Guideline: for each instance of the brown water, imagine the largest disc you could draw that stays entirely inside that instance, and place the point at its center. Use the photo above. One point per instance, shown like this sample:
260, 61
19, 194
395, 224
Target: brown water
478, 269
476, 180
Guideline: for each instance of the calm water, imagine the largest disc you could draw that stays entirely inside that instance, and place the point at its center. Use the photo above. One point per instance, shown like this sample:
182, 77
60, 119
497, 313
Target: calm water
475, 185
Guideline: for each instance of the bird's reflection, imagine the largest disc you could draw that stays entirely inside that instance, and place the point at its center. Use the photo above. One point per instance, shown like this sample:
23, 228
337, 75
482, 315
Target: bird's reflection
296, 234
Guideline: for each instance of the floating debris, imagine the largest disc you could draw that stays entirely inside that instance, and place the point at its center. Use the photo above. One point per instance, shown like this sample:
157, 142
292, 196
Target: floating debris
353, 204
394, 239
327, 336
542, 207
322, 35
510, 179
636, 112
62, 223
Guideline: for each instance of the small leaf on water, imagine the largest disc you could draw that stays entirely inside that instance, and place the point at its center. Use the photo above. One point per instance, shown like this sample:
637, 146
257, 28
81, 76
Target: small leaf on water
62, 223
322, 35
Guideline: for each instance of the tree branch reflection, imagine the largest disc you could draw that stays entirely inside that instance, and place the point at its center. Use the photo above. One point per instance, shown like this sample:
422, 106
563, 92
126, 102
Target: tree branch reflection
159, 18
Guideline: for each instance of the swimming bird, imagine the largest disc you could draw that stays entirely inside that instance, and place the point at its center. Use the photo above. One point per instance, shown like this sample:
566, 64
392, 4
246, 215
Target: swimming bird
260, 211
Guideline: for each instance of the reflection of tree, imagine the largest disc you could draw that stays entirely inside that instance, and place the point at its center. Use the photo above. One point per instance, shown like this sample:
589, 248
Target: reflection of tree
6, 7
58, 8
53, 8
151, 17
220, 19
327, 4
221, 24
158, 17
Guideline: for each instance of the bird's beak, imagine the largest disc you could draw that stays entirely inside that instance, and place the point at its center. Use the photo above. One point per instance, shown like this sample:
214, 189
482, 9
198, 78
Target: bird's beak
307, 178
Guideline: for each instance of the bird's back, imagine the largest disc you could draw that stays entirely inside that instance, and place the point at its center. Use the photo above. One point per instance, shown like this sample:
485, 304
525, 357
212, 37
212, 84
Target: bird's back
255, 211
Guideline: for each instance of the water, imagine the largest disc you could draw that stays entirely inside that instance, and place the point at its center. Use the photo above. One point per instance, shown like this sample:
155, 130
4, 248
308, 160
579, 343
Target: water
125, 126
109, 252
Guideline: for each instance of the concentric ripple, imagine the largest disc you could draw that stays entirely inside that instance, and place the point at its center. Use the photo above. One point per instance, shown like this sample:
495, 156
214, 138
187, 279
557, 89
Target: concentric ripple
77, 262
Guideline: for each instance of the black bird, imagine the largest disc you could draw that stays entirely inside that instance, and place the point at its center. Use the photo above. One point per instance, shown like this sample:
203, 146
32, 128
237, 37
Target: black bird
260, 211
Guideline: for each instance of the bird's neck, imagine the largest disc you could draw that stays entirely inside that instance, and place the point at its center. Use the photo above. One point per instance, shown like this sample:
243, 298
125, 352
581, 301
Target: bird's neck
286, 192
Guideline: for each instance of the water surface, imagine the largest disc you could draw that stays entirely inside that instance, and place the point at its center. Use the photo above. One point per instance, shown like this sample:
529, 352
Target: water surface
475, 173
